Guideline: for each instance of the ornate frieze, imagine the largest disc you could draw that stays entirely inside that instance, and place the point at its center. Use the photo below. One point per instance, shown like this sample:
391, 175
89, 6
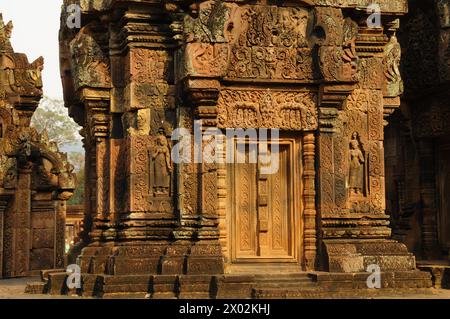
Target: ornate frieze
267, 109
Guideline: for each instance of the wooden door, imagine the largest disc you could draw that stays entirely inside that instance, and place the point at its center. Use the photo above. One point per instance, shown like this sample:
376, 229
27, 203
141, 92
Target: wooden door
265, 208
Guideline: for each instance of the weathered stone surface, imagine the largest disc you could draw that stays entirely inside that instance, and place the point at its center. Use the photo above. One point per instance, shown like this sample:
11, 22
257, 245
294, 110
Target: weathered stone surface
35, 178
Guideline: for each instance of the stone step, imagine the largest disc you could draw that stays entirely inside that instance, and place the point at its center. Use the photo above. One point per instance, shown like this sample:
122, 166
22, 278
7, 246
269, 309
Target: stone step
284, 277
131, 279
36, 288
281, 285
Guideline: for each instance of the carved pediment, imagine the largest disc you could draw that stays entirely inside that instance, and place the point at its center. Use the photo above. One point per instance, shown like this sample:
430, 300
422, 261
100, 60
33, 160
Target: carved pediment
17, 75
90, 64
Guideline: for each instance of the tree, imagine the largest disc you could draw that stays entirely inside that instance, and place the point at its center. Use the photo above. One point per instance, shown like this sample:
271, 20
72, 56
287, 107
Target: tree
51, 115
77, 160
78, 196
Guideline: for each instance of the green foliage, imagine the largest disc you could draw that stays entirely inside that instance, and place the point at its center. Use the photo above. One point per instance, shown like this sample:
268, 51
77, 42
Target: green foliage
77, 160
51, 115
78, 196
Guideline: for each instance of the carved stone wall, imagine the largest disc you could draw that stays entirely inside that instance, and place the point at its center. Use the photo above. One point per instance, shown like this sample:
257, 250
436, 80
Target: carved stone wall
35, 178
314, 70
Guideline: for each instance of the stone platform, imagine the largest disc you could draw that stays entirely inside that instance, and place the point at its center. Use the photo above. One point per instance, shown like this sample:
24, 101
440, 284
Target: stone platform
242, 286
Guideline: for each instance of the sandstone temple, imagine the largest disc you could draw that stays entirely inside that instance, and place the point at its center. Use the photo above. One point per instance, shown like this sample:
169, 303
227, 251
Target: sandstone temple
357, 96
36, 179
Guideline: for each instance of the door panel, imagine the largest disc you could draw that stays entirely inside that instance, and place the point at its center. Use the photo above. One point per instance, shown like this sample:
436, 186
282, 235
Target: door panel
246, 219
265, 209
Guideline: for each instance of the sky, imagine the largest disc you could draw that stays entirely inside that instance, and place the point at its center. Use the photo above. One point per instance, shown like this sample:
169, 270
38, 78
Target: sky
36, 25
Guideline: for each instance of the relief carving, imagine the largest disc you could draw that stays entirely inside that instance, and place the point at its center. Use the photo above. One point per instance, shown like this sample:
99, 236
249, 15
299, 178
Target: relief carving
162, 166
357, 166
267, 109
391, 63
90, 64
208, 22
271, 43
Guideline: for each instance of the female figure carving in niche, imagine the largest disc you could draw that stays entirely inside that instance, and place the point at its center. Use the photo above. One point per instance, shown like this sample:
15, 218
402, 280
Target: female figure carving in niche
357, 162
162, 166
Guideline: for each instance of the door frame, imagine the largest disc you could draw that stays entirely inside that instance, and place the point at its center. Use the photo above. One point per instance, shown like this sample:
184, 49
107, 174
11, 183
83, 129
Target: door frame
294, 141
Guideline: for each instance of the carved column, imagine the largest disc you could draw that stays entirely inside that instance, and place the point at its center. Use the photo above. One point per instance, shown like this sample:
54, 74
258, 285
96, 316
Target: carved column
1, 242
89, 201
4, 202
309, 195
22, 224
60, 232
206, 254
96, 104
428, 198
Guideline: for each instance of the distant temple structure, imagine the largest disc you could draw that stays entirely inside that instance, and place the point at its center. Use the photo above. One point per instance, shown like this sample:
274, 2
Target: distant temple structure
329, 75
36, 179
418, 138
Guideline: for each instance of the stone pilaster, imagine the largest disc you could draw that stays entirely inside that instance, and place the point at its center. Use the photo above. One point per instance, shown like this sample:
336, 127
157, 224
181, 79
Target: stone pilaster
22, 224
426, 149
5, 197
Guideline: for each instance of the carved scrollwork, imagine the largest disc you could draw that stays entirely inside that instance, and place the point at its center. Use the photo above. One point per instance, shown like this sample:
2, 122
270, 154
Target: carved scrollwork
90, 64
271, 43
267, 109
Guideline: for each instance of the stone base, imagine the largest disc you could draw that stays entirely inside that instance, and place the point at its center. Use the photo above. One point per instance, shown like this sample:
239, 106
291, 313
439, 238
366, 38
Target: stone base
184, 270
293, 285
153, 258
355, 256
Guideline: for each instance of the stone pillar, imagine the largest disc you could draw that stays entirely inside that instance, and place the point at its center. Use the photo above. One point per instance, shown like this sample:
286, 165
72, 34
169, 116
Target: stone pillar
428, 198
3, 205
354, 226
22, 224
206, 254
60, 233
97, 117
309, 194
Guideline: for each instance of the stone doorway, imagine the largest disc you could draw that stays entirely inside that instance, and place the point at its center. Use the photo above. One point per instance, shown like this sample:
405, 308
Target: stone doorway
264, 210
